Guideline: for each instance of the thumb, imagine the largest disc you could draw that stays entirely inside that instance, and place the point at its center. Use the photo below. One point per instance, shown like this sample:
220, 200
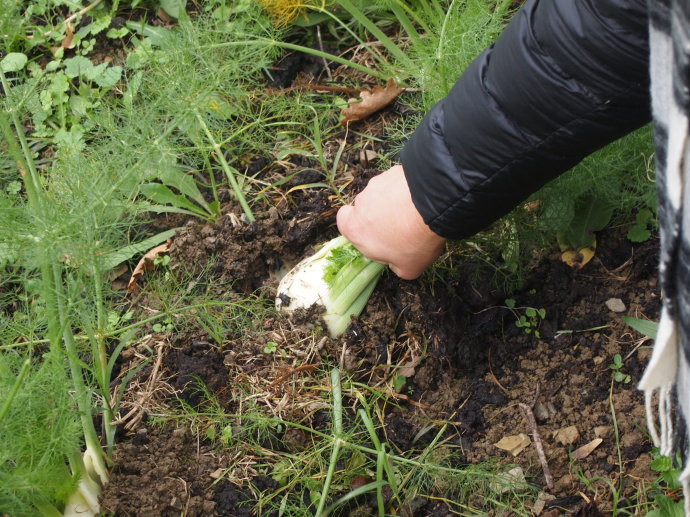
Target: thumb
343, 219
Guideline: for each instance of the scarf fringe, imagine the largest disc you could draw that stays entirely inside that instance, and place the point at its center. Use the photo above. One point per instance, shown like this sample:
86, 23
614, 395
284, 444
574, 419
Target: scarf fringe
663, 437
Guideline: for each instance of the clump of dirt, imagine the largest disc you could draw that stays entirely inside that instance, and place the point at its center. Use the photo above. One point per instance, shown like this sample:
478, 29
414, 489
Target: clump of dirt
246, 254
163, 472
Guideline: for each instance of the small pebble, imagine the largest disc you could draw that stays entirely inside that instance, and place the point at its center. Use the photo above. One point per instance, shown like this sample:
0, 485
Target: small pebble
541, 412
615, 305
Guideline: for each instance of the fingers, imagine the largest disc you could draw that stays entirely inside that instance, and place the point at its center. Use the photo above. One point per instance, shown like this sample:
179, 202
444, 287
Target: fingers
385, 226
350, 226
406, 274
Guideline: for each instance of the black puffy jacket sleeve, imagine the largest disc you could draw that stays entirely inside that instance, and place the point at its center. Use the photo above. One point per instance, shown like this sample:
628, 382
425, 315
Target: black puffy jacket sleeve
565, 78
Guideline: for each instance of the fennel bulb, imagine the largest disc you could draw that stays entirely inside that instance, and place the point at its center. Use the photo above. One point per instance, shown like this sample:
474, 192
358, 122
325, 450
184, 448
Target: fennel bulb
338, 277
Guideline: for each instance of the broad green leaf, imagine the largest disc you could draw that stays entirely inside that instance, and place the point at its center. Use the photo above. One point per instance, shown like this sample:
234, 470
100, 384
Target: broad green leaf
591, 215
172, 7
176, 178
71, 140
132, 88
95, 71
638, 233
79, 105
646, 327
117, 33
662, 464
667, 507
109, 77
13, 62
157, 35
644, 216
100, 24
162, 194
78, 66
114, 258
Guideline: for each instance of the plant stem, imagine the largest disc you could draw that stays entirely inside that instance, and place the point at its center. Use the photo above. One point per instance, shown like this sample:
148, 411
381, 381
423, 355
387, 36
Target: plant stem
230, 172
82, 393
15, 388
24, 158
307, 50
616, 432
337, 444
335, 453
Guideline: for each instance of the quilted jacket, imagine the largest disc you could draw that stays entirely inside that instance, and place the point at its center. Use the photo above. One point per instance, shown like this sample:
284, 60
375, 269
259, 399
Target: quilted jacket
565, 78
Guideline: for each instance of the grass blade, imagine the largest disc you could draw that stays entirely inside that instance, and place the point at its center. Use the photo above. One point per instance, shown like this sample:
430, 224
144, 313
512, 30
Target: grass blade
369, 487
646, 327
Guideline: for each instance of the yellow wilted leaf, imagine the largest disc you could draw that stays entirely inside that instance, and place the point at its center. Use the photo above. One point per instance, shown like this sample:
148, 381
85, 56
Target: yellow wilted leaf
578, 259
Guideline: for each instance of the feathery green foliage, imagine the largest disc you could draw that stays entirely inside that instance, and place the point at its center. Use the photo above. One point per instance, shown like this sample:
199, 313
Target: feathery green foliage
38, 433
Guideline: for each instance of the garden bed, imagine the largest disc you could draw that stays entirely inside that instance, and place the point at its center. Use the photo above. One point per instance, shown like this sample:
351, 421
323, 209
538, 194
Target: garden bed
472, 367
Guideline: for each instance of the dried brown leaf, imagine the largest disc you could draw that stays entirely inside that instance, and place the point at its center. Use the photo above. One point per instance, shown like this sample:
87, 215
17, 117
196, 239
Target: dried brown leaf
372, 101
586, 449
408, 369
146, 263
514, 444
67, 41
567, 435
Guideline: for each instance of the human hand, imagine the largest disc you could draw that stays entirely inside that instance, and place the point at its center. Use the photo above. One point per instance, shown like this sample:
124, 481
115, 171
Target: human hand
385, 226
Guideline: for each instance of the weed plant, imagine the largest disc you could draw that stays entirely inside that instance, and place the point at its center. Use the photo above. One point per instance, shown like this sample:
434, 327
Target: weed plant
57, 234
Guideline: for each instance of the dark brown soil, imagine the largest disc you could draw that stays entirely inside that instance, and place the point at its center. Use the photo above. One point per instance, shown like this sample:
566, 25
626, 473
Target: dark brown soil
472, 366
477, 365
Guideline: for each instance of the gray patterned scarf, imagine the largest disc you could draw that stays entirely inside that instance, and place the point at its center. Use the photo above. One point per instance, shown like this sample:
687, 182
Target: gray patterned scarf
669, 38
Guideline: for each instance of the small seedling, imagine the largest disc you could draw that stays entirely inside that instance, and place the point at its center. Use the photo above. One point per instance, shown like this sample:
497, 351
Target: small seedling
399, 382
162, 260
529, 320
669, 474
616, 366
641, 230
164, 326
271, 347
115, 319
